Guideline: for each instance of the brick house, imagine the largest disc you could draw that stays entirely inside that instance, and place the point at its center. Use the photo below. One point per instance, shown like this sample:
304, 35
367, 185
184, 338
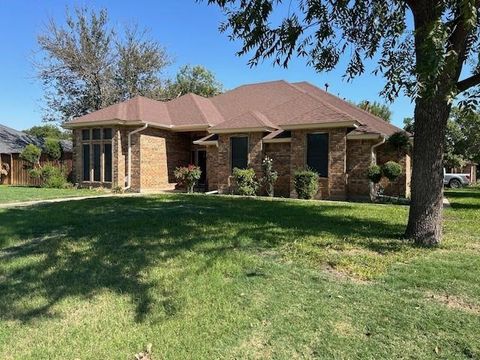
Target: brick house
138, 143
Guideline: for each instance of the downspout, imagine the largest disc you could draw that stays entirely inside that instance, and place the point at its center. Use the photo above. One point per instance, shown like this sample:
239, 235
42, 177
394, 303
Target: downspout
374, 161
129, 166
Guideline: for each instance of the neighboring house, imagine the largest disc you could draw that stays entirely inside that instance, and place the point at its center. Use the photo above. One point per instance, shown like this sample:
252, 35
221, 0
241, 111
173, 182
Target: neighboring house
12, 143
138, 143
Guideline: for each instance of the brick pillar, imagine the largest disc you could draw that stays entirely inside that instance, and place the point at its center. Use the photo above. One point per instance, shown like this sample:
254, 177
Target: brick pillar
337, 164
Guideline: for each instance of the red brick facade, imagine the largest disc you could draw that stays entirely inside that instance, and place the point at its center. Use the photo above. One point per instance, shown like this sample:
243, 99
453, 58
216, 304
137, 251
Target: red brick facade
156, 153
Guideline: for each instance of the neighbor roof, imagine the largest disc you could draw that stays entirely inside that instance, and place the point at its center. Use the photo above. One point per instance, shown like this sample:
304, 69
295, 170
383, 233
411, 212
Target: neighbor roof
13, 141
265, 106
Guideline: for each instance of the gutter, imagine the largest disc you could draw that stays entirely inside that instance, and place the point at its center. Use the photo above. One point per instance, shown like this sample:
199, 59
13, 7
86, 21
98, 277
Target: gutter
372, 150
129, 170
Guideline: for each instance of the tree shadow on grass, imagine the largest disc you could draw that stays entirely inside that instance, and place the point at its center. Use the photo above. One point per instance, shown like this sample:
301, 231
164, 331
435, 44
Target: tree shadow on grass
78, 249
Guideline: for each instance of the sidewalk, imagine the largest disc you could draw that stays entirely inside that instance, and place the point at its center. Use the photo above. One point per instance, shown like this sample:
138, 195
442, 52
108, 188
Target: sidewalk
58, 200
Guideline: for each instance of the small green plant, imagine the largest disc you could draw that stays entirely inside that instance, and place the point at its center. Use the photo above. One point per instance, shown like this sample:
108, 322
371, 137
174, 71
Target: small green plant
245, 181
270, 176
118, 190
374, 173
392, 170
306, 183
188, 176
53, 148
51, 176
31, 154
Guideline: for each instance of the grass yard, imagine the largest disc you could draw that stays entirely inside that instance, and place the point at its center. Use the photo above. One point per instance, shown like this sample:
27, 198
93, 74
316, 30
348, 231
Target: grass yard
217, 277
11, 194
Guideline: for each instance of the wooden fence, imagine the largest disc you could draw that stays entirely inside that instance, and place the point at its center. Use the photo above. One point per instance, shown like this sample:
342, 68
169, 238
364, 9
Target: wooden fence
19, 169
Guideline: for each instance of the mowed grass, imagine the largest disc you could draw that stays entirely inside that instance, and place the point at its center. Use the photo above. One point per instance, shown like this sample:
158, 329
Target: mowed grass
229, 278
11, 194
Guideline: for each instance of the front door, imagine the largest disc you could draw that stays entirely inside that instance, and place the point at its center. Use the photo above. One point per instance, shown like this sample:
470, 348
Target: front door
199, 158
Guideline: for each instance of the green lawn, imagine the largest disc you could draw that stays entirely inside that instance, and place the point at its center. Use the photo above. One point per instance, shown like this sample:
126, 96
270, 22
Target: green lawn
11, 194
217, 277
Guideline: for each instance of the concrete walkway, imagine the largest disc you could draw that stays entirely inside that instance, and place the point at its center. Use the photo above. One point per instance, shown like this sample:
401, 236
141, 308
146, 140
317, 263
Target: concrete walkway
59, 200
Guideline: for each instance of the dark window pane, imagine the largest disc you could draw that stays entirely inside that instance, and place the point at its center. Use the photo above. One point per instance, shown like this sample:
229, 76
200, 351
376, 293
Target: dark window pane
96, 162
86, 134
96, 134
239, 150
86, 162
107, 134
317, 153
107, 151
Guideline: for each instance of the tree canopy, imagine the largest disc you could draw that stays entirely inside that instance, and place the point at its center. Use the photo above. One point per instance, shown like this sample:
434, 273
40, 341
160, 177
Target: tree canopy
192, 79
48, 131
377, 109
87, 64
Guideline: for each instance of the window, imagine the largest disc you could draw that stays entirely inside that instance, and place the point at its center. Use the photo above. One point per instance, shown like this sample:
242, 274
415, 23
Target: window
317, 153
86, 162
86, 134
107, 134
96, 162
239, 151
107, 153
97, 154
96, 134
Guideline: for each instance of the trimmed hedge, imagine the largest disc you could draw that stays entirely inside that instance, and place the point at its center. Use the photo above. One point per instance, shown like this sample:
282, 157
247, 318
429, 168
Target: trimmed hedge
306, 183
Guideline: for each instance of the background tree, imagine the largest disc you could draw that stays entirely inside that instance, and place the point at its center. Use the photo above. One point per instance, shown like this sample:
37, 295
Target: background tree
84, 65
467, 133
139, 65
48, 131
408, 125
377, 109
196, 79
441, 39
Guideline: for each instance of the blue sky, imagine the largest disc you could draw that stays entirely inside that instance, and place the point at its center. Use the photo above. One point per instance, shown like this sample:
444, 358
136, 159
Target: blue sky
188, 30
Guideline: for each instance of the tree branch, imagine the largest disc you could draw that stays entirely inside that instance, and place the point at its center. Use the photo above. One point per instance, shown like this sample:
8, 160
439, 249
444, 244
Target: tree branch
468, 82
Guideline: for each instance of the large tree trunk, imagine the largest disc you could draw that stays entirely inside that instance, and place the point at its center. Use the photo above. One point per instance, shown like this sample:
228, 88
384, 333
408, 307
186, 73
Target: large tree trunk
425, 218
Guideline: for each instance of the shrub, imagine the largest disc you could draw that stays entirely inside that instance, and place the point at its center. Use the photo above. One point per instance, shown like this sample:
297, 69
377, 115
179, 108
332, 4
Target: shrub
245, 180
306, 183
4, 170
374, 173
53, 148
188, 176
31, 154
400, 141
391, 170
51, 176
270, 176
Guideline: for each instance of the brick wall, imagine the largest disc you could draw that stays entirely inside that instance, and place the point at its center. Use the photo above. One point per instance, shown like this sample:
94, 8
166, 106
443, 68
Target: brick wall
224, 168
212, 168
280, 154
333, 187
401, 186
359, 159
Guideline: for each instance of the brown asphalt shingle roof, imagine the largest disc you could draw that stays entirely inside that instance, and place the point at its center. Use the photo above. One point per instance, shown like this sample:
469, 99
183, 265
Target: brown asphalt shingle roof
270, 105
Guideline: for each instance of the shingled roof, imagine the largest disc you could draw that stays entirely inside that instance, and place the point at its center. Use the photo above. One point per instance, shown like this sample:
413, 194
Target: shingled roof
265, 106
13, 141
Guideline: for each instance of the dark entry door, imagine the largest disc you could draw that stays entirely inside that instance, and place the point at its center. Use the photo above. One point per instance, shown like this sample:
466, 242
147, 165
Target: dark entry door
199, 158
202, 163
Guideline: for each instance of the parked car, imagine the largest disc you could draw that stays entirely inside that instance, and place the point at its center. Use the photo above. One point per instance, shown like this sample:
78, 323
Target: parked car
455, 181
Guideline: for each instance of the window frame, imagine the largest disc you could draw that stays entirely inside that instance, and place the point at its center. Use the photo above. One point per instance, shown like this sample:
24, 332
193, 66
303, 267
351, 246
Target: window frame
101, 143
328, 152
231, 150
